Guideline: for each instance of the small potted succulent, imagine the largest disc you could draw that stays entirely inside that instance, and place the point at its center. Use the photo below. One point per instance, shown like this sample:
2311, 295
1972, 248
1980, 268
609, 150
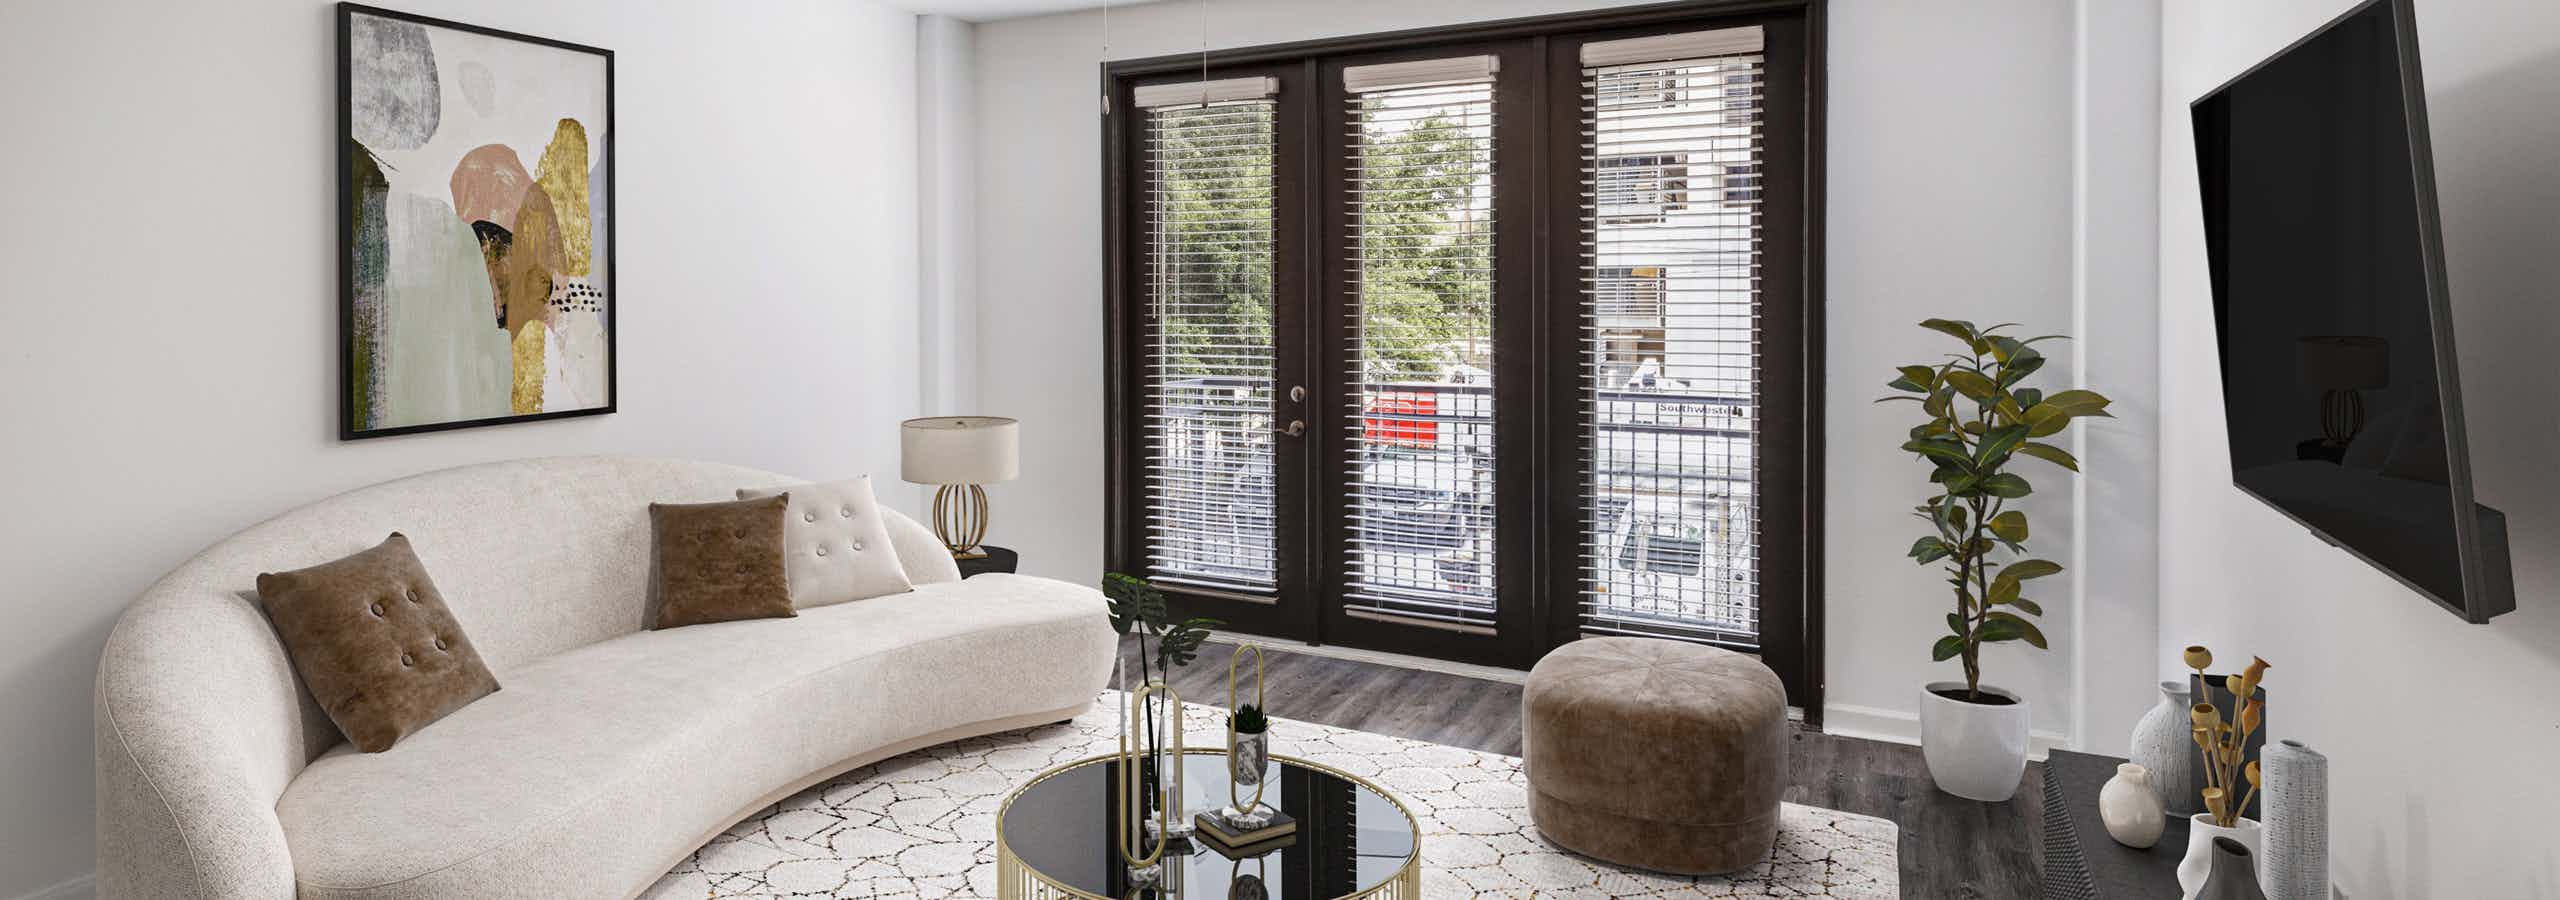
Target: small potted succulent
1249, 749
1979, 418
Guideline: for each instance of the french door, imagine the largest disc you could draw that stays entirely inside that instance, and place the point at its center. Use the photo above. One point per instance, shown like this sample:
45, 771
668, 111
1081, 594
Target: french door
1470, 344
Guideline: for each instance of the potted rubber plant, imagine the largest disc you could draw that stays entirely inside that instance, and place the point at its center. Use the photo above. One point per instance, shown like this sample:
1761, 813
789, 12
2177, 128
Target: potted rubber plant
1978, 419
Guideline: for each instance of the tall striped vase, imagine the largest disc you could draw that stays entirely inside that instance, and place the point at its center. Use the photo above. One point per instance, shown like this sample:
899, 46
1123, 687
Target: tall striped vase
2296, 866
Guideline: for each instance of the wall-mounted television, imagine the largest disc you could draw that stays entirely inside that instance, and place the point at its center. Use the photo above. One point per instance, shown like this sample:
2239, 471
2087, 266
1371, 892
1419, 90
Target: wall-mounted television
2331, 308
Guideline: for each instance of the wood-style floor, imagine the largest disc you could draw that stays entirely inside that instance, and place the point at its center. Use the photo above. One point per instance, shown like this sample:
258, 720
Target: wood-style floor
1952, 849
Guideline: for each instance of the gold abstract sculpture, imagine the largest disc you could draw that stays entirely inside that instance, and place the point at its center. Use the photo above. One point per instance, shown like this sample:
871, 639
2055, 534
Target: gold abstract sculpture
2223, 738
1236, 805
1133, 747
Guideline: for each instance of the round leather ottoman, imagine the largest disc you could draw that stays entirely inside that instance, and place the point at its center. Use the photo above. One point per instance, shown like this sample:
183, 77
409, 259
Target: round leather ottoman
1655, 754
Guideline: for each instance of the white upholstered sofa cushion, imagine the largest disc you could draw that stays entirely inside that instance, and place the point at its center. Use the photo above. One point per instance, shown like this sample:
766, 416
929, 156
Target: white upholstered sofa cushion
835, 543
565, 783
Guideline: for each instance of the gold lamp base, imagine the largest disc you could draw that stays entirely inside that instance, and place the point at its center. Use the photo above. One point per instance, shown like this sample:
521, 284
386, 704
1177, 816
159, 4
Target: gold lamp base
960, 519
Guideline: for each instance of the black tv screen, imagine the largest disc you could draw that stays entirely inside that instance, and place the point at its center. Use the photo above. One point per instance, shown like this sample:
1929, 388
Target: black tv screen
2330, 305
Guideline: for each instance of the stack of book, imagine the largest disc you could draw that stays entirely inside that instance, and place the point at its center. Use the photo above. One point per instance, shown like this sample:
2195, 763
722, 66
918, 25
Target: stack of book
1212, 829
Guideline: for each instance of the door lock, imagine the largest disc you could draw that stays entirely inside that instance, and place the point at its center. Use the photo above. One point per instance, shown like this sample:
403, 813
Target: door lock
1297, 393
1296, 427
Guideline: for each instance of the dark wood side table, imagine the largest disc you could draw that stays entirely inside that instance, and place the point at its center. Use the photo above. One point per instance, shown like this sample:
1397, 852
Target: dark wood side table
2081, 861
997, 559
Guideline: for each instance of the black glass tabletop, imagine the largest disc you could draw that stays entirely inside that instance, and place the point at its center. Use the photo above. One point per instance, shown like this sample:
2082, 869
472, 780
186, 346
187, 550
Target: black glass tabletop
1350, 839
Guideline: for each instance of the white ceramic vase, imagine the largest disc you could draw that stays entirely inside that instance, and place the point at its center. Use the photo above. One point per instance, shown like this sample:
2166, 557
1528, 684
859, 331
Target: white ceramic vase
2198, 863
2164, 744
1977, 751
2295, 865
2131, 808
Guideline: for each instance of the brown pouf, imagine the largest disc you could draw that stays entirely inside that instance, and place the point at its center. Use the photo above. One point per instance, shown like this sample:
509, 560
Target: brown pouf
1656, 754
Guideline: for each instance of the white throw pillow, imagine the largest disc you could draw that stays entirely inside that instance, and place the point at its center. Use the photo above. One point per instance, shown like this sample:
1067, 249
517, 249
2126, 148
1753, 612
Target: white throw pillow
835, 543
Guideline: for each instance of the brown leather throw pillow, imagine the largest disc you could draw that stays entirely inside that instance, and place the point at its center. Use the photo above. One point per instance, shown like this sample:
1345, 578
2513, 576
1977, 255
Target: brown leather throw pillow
720, 562
375, 643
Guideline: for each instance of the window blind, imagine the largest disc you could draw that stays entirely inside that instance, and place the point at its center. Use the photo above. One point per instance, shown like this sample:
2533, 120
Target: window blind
1208, 321
1420, 246
1671, 279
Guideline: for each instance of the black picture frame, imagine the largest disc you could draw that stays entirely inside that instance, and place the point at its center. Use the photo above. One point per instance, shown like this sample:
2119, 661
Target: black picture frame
343, 135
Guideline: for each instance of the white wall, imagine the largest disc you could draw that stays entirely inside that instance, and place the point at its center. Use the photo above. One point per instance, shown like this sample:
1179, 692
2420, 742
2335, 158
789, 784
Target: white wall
1941, 204
2115, 260
947, 211
2441, 735
169, 307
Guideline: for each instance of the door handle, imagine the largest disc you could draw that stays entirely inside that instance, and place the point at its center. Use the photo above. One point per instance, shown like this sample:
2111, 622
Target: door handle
1295, 428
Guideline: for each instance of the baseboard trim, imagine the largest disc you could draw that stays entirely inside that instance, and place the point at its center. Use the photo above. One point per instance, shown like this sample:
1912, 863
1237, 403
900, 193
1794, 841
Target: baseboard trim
1402, 661
84, 887
1398, 660
1899, 727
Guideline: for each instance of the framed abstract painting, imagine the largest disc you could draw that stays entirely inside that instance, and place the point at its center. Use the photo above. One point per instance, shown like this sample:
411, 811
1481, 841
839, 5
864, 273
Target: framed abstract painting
475, 172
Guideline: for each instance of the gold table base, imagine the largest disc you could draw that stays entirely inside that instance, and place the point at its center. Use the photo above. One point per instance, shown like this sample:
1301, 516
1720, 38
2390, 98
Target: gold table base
1016, 880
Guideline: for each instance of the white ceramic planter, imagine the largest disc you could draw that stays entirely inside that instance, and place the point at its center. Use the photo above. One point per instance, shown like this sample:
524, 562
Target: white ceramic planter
1977, 751
2198, 863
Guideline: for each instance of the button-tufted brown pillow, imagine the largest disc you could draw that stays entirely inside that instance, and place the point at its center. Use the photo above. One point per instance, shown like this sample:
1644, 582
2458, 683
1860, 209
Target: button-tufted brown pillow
720, 562
374, 643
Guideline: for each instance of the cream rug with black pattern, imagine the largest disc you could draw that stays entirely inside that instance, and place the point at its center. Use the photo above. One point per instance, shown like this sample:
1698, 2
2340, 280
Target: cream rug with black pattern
923, 825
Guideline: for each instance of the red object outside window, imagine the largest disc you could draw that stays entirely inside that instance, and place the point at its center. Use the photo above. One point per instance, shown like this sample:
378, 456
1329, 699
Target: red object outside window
1403, 418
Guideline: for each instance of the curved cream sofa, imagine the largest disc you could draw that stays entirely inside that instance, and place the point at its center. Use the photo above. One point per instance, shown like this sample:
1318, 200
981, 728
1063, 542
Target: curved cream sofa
610, 753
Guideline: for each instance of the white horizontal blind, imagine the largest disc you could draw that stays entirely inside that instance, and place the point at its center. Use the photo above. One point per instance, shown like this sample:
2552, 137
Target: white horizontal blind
1670, 363
1420, 535
1200, 93
1209, 343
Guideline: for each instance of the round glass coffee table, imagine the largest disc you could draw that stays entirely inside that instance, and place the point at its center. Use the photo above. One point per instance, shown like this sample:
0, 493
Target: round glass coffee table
1055, 837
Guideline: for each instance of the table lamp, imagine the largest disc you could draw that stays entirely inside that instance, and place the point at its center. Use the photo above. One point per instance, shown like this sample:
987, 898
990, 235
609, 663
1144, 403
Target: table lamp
960, 453
2341, 365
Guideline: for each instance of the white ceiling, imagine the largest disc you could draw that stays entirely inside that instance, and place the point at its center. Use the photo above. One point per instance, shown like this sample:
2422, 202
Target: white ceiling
990, 10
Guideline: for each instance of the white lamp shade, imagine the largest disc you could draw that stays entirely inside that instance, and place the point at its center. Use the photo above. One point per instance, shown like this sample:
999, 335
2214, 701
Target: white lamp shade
959, 450
2343, 362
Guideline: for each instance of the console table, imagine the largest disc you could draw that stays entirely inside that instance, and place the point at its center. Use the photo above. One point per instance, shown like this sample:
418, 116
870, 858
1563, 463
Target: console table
2080, 861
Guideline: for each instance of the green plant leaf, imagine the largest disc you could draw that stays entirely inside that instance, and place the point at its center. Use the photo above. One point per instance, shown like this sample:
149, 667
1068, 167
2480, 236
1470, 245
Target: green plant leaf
2011, 526
2027, 630
2019, 368
2044, 419
2028, 605
2027, 397
2031, 568
1929, 549
1994, 630
1924, 376
1906, 384
1946, 648
1955, 623
1956, 328
1941, 449
2001, 592
1972, 384
2006, 486
2052, 454
1996, 444
2025, 569
2079, 403
1938, 403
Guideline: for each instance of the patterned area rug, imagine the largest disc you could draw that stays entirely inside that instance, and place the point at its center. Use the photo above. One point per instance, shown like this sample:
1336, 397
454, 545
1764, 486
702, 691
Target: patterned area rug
923, 825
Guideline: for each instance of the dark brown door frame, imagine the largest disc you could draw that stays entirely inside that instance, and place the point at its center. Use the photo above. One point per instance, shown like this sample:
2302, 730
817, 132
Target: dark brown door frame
1793, 436
1514, 641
